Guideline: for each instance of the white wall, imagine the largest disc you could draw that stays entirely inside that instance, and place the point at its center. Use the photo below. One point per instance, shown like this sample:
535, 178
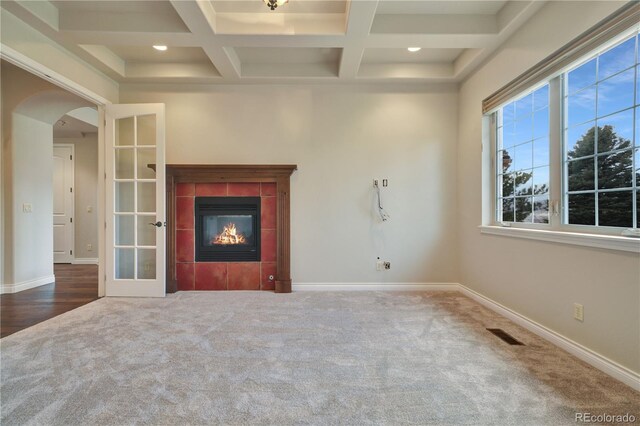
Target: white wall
85, 194
543, 280
17, 86
32, 183
341, 138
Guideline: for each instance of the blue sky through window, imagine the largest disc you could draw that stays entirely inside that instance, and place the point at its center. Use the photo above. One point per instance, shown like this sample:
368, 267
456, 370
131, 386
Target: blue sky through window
604, 89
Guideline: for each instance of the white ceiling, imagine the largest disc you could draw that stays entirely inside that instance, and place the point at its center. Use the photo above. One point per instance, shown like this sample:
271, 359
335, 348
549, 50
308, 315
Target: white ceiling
236, 41
145, 55
409, 7
392, 55
70, 127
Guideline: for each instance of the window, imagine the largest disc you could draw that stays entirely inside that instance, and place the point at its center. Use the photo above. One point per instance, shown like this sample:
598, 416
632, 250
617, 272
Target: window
523, 153
574, 142
601, 109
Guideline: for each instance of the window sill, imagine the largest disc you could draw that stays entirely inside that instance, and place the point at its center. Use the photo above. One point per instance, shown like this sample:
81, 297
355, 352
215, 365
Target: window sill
610, 242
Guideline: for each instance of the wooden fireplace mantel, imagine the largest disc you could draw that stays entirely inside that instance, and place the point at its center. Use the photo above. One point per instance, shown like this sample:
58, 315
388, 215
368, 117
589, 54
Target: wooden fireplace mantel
211, 173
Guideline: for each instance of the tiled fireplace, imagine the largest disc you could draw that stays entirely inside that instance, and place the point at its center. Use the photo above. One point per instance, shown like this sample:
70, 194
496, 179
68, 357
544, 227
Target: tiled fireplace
230, 227
223, 275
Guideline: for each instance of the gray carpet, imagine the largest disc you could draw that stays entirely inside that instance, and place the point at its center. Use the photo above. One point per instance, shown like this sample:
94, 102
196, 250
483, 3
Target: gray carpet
304, 358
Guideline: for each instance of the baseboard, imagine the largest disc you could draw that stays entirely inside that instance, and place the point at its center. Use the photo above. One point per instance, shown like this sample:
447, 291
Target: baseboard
598, 361
26, 285
85, 261
374, 287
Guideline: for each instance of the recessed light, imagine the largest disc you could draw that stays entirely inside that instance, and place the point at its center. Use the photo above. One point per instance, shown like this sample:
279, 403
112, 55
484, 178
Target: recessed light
413, 49
160, 47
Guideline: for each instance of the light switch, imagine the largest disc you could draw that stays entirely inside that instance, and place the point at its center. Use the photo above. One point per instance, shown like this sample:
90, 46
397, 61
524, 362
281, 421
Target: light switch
26, 208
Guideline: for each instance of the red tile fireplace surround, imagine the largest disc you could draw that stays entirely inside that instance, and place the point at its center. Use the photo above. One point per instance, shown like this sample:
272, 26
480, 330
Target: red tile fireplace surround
271, 184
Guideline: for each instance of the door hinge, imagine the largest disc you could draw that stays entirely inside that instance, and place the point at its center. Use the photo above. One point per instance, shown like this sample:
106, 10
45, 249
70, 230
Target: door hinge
70, 251
70, 189
71, 157
71, 220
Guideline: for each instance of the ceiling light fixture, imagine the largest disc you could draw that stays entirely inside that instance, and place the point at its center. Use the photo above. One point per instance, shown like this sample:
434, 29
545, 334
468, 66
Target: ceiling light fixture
160, 47
272, 4
413, 49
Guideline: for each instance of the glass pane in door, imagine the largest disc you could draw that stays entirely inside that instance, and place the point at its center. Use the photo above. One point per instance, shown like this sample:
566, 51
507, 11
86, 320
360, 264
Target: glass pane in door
124, 163
146, 130
146, 232
124, 263
135, 186
146, 264
146, 157
124, 131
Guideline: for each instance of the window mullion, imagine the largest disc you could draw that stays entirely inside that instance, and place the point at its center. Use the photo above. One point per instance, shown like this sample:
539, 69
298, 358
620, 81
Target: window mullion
556, 153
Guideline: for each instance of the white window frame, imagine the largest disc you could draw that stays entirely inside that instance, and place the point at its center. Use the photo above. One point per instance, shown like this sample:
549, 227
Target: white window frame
558, 230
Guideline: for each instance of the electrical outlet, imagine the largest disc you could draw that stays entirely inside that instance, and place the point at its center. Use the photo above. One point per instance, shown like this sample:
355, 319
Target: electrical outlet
89, 209
578, 312
89, 247
379, 265
27, 208
387, 265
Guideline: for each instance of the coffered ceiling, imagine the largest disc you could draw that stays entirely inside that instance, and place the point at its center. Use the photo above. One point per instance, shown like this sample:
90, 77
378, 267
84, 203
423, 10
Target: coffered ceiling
236, 41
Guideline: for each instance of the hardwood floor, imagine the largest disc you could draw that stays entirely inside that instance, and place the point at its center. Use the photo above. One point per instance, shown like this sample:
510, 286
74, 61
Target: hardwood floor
76, 285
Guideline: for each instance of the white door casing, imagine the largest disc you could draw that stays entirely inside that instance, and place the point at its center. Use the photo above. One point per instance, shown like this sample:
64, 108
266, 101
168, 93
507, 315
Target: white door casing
63, 203
135, 200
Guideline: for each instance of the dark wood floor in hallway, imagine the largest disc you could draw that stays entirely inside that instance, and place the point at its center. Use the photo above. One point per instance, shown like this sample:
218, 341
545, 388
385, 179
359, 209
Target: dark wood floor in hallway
75, 285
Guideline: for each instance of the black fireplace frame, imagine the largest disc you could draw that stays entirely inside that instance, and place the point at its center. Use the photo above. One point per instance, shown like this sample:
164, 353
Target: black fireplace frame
206, 206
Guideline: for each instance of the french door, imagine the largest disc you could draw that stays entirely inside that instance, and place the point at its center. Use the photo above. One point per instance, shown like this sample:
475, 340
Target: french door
135, 205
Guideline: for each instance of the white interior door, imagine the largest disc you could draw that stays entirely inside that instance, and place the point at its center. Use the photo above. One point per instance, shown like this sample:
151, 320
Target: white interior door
63, 203
135, 205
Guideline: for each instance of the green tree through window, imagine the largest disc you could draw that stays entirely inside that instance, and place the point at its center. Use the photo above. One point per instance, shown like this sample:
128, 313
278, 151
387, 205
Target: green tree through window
614, 172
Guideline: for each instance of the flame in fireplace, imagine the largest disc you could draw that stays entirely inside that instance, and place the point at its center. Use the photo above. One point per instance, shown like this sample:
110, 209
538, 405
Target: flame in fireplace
229, 235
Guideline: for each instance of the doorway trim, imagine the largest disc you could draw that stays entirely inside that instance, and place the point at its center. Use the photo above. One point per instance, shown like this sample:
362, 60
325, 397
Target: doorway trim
20, 60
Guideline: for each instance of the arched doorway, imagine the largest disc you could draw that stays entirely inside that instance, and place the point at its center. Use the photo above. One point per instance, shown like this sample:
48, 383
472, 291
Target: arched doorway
31, 107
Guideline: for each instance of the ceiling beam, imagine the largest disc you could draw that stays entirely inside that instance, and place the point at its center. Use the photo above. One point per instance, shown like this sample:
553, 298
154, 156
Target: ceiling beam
129, 38
511, 17
106, 57
41, 15
433, 72
200, 18
171, 70
88, 35
360, 17
280, 40
303, 71
430, 41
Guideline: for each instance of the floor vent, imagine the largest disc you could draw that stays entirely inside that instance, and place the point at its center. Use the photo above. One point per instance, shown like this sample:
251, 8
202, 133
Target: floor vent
505, 336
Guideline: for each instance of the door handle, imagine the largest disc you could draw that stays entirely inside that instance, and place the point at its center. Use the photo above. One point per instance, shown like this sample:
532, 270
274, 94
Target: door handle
156, 224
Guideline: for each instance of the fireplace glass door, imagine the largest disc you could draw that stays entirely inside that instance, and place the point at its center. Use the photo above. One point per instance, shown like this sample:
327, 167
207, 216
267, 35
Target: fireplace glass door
227, 229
